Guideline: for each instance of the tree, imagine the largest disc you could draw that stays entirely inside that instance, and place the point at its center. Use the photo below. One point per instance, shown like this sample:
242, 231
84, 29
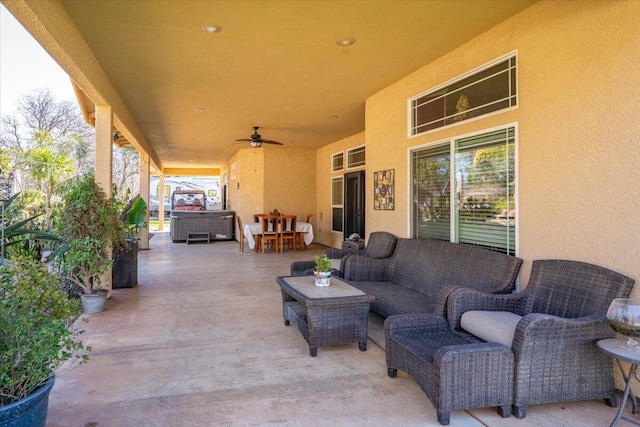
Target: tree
49, 141
125, 170
47, 165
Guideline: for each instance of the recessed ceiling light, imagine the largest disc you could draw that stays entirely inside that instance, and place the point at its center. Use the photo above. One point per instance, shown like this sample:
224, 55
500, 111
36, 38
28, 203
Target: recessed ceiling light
345, 42
199, 109
334, 117
212, 29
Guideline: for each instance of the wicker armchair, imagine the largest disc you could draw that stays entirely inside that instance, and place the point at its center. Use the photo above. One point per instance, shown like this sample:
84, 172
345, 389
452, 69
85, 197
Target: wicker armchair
553, 352
381, 245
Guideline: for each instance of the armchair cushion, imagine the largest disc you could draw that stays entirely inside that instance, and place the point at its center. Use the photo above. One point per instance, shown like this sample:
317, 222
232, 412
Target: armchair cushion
491, 326
381, 245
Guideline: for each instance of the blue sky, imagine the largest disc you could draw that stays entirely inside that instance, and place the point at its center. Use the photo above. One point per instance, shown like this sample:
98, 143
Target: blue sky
25, 66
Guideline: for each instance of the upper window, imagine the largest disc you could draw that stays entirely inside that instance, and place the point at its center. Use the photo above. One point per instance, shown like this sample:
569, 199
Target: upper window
465, 191
491, 88
337, 162
355, 157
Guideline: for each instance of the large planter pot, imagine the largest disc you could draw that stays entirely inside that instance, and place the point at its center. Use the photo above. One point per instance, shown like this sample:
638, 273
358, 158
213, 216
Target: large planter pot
125, 267
93, 303
30, 411
323, 278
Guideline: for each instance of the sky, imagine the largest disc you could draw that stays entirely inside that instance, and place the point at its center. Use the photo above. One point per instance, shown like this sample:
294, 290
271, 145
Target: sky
25, 67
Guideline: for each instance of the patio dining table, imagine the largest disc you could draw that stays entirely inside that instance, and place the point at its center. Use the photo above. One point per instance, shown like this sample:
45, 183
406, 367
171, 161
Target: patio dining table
254, 229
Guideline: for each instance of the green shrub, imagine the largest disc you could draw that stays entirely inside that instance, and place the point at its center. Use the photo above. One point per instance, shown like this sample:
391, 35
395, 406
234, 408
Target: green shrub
37, 332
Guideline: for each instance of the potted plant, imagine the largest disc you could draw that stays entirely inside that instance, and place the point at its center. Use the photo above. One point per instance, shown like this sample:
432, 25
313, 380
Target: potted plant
125, 266
322, 271
88, 223
82, 262
38, 336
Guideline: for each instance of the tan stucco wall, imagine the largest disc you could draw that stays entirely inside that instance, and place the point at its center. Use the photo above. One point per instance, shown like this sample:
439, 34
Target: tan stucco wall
271, 178
322, 226
290, 183
578, 131
246, 184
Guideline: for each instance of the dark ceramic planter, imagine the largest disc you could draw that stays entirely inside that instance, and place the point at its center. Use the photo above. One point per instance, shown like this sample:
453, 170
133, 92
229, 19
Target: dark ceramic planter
125, 267
30, 411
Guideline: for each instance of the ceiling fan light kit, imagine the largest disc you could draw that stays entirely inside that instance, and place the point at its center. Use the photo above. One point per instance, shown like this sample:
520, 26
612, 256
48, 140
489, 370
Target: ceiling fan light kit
256, 140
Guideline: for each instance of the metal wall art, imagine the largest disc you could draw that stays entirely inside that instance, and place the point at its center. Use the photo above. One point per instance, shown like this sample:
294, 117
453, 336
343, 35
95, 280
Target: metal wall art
383, 190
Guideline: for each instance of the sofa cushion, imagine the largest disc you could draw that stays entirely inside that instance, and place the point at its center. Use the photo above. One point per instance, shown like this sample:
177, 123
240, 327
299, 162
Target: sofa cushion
491, 326
393, 299
380, 245
427, 266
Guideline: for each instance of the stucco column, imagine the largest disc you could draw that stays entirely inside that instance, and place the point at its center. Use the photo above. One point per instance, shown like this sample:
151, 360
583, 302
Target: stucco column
161, 196
104, 165
144, 193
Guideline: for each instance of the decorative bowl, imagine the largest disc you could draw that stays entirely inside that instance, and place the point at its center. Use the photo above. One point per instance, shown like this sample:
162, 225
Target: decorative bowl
623, 316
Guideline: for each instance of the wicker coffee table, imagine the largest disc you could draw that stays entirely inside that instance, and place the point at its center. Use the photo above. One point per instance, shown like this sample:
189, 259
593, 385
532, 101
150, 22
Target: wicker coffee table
336, 314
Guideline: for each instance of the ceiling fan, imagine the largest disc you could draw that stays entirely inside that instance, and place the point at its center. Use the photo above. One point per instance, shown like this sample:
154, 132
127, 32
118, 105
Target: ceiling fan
256, 140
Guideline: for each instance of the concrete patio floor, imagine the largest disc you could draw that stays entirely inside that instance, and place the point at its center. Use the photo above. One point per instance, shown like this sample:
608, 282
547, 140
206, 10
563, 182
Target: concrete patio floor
201, 342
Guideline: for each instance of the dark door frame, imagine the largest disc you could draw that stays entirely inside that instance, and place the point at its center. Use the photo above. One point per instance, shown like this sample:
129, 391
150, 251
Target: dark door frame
354, 203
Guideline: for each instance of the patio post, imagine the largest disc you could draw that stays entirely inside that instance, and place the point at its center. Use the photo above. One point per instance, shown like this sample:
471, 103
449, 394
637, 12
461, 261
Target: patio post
104, 165
144, 193
161, 197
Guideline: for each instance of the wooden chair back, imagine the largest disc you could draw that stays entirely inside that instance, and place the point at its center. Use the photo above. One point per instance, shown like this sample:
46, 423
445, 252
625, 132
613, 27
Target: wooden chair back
240, 233
269, 224
288, 231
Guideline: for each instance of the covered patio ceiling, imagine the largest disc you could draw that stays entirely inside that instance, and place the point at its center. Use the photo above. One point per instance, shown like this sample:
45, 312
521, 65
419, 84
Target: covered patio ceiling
273, 64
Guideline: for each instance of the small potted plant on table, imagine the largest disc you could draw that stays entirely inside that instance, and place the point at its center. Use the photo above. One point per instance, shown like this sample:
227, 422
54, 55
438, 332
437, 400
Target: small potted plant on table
322, 270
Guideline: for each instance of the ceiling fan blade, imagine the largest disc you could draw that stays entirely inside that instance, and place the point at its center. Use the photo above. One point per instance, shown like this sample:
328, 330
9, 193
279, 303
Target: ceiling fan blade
244, 140
268, 141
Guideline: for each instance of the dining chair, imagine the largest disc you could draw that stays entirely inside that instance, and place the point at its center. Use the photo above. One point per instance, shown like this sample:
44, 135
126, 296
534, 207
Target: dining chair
300, 236
269, 235
288, 231
241, 238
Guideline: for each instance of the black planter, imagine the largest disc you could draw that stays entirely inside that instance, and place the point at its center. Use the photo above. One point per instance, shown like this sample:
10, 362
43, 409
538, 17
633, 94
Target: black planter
125, 267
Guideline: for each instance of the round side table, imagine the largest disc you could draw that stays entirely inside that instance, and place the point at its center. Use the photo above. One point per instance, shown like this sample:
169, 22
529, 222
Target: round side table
617, 348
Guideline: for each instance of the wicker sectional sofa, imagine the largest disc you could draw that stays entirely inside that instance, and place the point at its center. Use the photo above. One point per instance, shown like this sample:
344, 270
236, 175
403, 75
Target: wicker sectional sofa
421, 273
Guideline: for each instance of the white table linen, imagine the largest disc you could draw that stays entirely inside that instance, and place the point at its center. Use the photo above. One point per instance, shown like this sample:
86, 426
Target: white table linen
255, 228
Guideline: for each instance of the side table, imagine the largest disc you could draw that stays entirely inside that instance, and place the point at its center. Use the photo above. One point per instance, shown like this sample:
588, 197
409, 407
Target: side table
617, 348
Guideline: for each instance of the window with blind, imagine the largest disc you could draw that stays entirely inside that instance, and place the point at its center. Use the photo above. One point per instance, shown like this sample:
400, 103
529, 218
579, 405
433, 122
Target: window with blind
337, 203
356, 157
337, 162
490, 88
464, 191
